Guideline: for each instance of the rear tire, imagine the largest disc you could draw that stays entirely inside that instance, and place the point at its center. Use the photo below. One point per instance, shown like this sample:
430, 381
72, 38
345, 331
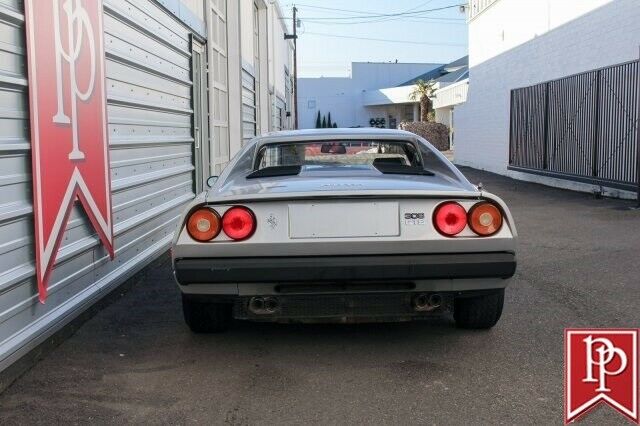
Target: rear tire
478, 312
206, 317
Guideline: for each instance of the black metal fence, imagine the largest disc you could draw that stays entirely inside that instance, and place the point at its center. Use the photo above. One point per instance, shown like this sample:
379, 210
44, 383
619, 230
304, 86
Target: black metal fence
582, 127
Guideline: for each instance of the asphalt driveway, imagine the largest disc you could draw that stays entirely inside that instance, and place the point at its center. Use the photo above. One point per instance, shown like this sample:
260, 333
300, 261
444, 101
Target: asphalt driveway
136, 361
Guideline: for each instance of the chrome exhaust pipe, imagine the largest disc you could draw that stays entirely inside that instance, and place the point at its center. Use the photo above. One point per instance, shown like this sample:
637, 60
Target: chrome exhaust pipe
425, 302
256, 305
270, 304
421, 302
435, 301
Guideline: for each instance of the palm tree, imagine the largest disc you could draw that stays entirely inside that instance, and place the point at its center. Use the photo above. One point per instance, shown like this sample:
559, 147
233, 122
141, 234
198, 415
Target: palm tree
422, 92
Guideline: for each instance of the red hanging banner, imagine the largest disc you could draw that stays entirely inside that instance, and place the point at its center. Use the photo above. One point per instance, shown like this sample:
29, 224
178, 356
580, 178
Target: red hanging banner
70, 149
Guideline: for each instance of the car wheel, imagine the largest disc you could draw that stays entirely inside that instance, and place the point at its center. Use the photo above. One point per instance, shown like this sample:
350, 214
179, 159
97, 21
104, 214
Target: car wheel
478, 312
206, 317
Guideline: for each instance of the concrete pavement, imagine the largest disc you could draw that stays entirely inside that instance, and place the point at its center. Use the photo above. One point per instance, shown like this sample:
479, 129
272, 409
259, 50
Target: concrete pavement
136, 361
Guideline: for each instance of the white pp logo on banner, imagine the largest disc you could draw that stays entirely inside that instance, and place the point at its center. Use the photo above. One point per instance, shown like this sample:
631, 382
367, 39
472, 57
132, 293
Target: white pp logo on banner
78, 24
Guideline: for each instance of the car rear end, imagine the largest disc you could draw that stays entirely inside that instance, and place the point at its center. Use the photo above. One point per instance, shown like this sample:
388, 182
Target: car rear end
377, 258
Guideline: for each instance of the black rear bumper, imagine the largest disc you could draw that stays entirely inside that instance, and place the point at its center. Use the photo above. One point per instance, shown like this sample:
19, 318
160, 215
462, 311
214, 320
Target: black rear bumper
345, 268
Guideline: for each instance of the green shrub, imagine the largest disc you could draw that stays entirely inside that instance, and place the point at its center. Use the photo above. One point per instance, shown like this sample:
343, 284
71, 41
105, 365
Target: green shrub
435, 133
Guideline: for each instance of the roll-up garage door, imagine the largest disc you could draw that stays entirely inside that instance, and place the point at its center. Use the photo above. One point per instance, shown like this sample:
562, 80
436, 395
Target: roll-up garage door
148, 83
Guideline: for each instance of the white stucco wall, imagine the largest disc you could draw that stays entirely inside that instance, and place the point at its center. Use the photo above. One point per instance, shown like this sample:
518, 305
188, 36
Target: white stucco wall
335, 95
345, 97
451, 95
509, 23
603, 33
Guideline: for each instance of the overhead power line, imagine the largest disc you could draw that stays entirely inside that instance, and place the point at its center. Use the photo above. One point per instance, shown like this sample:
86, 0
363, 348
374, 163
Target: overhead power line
384, 15
384, 39
363, 12
332, 9
422, 21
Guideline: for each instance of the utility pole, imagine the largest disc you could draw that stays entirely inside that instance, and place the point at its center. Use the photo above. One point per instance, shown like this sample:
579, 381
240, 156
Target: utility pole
294, 37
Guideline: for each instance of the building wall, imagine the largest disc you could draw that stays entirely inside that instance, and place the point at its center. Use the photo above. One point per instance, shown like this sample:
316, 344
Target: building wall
280, 71
246, 28
281, 52
443, 115
602, 36
335, 95
149, 83
505, 24
222, 81
451, 95
446, 102
253, 86
347, 98
150, 137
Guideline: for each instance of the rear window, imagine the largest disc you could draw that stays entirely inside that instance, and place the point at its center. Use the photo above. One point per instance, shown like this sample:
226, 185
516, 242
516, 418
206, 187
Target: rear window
338, 153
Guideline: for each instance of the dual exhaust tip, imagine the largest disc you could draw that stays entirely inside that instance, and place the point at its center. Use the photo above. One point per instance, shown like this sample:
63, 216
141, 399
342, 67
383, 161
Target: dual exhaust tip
263, 305
425, 302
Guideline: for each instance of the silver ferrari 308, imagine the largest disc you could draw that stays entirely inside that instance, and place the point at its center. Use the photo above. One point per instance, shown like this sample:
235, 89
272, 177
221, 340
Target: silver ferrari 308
343, 225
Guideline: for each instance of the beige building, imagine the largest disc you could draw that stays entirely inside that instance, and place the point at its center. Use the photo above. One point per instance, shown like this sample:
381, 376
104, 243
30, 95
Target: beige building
250, 74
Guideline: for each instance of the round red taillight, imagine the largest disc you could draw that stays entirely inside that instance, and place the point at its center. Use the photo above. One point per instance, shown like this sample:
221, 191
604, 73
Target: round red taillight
203, 224
239, 223
485, 219
450, 218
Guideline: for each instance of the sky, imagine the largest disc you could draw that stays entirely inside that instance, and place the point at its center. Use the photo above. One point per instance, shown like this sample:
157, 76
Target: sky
438, 36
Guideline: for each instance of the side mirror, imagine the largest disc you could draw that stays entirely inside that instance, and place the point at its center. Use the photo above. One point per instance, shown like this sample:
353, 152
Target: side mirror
212, 181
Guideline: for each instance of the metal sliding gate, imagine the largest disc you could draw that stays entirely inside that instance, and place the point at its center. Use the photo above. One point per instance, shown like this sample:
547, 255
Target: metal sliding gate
583, 127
